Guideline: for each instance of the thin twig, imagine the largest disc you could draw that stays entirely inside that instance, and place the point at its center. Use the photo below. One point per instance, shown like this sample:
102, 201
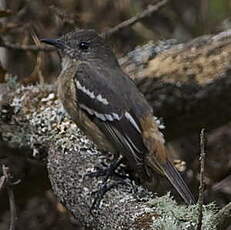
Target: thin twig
25, 47
13, 215
202, 182
145, 13
37, 69
3, 181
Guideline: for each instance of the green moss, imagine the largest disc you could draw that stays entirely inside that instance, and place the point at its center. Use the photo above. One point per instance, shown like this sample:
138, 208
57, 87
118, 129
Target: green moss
176, 217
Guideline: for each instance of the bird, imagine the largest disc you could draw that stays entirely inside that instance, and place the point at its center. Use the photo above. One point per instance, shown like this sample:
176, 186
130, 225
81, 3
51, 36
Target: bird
108, 107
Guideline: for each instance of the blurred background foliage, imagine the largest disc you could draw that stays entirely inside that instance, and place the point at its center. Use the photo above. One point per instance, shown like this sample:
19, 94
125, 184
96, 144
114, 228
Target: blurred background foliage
179, 19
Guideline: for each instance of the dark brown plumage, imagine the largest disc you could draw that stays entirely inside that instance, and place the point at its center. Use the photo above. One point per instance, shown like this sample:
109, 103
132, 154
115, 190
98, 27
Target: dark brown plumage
108, 107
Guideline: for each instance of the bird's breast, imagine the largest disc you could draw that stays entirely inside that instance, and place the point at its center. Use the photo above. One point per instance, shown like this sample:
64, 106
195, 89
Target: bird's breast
66, 89
68, 96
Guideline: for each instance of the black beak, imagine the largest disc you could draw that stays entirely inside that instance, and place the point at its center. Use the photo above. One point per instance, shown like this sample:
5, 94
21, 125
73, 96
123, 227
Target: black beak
54, 42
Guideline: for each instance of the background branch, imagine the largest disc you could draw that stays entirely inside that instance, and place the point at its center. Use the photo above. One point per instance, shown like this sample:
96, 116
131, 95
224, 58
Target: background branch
22, 47
131, 21
223, 218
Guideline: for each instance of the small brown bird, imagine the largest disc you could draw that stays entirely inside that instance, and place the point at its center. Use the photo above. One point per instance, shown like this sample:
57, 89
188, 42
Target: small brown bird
106, 104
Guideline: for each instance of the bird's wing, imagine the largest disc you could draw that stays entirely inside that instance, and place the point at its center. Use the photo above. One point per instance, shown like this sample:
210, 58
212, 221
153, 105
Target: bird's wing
123, 115
104, 96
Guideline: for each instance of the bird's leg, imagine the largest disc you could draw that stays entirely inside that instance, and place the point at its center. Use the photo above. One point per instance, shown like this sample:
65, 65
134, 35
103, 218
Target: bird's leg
109, 171
105, 187
101, 192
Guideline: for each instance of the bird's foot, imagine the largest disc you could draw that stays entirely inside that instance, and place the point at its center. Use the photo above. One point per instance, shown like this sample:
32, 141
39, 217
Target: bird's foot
108, 171
99, 194
105, 186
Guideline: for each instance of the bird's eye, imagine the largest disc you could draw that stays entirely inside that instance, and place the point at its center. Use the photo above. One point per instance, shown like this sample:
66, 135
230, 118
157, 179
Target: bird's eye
84, 45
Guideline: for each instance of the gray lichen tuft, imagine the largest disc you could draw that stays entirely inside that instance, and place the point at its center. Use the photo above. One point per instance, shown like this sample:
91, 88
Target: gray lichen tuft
171, 216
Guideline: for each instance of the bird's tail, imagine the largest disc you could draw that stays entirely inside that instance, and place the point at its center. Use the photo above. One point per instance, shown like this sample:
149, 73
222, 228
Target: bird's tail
177, 181
166, 168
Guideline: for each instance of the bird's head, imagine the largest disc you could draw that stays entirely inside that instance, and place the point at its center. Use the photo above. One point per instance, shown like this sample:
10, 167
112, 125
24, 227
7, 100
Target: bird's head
82, 45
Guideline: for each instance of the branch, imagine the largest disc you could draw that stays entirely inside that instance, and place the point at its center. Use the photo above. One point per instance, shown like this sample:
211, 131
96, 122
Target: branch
186, 84
13, 214
22, 47
202, 182
6, 181
131, 21
223, 218
38, 121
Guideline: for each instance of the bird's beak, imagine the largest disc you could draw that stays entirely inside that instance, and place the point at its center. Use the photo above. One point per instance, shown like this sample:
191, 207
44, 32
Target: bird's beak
54, 42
